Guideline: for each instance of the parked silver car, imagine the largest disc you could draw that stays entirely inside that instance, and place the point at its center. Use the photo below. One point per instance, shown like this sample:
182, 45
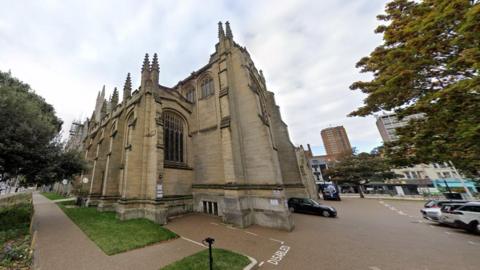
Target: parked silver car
432, 209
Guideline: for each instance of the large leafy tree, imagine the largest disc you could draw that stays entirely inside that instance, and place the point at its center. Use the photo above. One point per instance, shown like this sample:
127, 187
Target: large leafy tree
359, 169
429, 63
29, 144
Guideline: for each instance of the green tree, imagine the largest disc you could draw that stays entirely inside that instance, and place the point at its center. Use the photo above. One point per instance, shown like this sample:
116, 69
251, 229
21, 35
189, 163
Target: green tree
29, 144
359, 169
429, 63
57, 164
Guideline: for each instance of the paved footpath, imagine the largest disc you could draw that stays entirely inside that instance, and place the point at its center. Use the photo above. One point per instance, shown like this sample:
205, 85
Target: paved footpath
60, 244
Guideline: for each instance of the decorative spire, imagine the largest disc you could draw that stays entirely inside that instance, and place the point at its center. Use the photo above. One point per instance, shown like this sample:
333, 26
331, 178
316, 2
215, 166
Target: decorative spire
155, 70
155, 65
127, 88
146, 63
103, 111
228, 30
103, 92
221, 34
114, 98
109, 104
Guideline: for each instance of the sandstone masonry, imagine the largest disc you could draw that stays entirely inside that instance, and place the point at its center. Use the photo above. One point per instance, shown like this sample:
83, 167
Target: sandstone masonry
213, 143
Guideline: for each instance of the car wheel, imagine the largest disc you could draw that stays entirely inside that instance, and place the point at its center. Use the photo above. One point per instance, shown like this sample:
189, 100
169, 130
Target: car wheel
457, 224
291, 209
473, 227
325, 213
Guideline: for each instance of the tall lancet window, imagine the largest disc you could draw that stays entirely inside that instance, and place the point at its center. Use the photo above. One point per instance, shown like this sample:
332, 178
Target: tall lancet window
207, 87
173, 137
191, 95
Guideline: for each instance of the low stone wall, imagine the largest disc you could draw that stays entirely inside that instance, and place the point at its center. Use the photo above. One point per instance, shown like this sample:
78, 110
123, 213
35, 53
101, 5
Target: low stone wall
15, 198
158, 211
62, 189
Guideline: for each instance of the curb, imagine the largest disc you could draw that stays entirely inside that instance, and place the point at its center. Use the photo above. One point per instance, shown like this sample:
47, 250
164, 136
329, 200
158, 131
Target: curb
252, 265
33, 245
65, 200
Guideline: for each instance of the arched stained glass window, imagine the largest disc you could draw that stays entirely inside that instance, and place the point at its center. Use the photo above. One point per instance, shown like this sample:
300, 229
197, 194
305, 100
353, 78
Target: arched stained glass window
173, 137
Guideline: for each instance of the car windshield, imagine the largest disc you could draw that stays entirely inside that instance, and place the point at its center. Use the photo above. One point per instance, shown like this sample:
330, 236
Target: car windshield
310, 201
430, 203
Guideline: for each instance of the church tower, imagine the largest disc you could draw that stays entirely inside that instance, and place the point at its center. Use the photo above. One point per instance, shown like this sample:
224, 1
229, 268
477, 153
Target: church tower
260, 169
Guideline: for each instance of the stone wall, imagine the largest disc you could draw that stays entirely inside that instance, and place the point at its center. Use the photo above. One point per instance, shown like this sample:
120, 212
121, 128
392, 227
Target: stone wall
15, 198
237, 149
177, 181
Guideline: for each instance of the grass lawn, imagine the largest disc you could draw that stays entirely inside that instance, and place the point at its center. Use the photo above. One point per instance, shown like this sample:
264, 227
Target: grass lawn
53, 196
113, 235
222, 260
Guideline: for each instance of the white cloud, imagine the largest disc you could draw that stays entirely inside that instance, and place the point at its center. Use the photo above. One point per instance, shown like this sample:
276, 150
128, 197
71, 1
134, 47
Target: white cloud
307, 49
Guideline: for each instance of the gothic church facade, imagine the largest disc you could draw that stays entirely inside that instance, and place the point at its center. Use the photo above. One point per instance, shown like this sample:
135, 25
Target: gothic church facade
213, 143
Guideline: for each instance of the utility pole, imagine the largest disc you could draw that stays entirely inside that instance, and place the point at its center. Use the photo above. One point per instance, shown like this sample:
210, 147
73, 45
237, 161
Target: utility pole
469, 194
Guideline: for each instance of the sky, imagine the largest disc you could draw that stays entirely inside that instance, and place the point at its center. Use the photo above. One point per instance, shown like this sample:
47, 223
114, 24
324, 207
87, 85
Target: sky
67, 50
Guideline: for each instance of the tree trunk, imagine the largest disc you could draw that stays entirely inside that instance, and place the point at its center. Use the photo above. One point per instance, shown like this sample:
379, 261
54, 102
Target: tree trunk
360, 190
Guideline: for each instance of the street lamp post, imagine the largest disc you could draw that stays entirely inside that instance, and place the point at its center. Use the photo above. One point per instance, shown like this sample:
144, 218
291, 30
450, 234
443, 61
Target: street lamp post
210, 241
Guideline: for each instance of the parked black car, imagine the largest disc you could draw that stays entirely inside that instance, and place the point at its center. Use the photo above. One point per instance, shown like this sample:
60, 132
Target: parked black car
309, 206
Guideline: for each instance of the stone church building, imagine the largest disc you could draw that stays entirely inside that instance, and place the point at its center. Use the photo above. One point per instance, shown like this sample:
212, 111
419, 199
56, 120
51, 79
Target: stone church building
213, 143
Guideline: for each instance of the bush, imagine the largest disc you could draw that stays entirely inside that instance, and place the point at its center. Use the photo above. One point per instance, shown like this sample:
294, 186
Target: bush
15, 252
7, 235
16, 217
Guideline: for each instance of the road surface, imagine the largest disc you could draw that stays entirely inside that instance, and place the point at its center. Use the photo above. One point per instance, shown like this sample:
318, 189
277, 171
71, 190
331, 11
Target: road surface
369, 234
